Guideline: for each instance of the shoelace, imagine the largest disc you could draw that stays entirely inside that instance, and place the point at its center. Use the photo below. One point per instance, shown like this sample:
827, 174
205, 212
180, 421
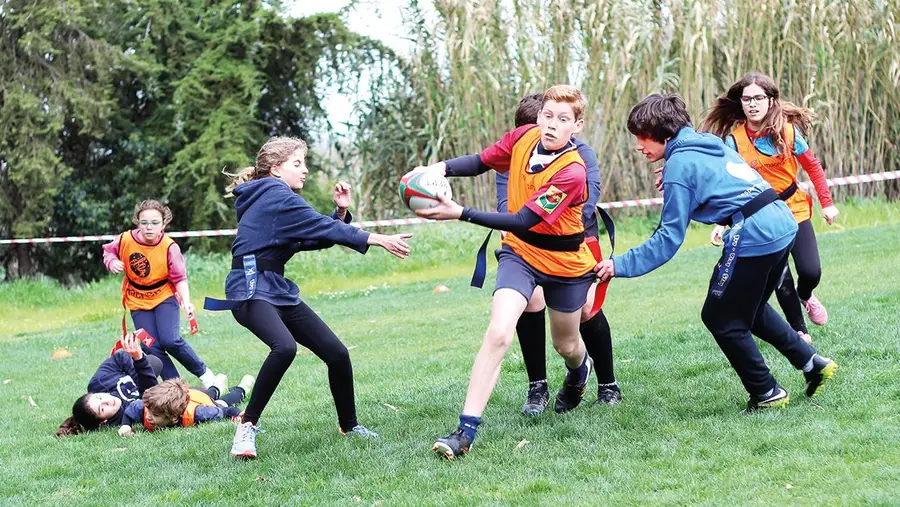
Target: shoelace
246, 433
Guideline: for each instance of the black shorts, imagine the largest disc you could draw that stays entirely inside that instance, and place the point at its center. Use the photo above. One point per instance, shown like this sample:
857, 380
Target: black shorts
563, 294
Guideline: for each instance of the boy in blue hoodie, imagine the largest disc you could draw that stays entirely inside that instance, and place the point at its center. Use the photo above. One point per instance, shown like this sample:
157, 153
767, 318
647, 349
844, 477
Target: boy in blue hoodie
703, 180
274, 223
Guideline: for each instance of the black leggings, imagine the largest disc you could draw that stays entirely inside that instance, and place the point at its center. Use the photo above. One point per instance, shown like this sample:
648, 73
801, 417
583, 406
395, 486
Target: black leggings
809, 271
282, 328
743, 311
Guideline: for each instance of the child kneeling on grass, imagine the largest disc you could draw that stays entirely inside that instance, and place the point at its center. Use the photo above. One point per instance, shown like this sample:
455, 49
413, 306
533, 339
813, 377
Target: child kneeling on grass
173, 403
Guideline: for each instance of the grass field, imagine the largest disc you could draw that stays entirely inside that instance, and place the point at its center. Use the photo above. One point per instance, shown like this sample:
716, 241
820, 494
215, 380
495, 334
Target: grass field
676, 439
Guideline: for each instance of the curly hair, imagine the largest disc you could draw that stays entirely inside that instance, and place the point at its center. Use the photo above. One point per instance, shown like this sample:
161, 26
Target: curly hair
168, 398
275, 151
152, 204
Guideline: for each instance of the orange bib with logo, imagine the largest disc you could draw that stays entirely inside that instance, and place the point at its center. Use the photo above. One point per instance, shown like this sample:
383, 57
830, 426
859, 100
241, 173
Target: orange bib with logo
780, 171
522, 186
146, 283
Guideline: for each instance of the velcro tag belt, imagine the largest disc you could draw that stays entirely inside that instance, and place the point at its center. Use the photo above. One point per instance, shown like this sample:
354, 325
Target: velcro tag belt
725, 269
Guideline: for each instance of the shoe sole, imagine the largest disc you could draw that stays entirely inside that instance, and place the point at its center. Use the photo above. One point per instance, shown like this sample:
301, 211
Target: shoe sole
244, 455
535, 412
443, 450
827, 372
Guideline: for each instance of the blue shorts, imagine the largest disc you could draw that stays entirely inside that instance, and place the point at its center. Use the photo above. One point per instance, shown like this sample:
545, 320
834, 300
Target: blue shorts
562, 294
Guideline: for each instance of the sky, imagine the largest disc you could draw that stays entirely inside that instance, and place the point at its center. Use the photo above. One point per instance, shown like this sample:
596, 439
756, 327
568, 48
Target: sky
378, 19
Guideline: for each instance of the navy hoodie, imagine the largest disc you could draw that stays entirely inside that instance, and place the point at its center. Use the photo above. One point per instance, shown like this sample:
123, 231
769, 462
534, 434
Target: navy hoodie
116, 376
274, 223
706, 181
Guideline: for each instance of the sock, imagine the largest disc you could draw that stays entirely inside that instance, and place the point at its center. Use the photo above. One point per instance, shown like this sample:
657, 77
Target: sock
578, 376
469, 425
613, 386
809, 364
598, 341
208, 378
532, 332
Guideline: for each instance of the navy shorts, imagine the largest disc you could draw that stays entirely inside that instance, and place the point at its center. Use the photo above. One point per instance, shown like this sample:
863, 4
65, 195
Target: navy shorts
562, 294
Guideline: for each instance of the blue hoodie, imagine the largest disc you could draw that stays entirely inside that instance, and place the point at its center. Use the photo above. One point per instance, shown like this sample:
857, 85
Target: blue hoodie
705, 181
274, 223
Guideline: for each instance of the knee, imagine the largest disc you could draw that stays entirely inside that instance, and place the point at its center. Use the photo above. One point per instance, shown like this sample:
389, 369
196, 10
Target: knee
284, 351
785, 289
566, 348
809, 275
498, 338
709, 316
338, 356
169, 341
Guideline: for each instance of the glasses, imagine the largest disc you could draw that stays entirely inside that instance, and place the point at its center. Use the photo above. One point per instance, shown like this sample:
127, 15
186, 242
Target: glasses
746, 99
147, 223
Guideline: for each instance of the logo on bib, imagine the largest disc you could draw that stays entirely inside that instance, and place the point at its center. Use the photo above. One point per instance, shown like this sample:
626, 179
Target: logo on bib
550, 199
139, 264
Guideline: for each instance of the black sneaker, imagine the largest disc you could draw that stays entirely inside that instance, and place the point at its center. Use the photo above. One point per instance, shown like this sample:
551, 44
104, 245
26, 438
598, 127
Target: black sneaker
570, 396
453, 445
823, 369
538, 398
778, 399
608, 394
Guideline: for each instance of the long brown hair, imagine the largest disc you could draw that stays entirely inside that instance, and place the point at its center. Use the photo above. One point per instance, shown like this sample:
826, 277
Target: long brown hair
275, 151
82, 419
727, 113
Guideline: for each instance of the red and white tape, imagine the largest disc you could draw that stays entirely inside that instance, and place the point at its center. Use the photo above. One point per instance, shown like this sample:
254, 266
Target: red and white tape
632, 203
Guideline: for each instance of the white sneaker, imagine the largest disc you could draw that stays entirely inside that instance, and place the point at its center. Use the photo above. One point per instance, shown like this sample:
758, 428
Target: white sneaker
244, 443
246, 383
207, 379
221, 383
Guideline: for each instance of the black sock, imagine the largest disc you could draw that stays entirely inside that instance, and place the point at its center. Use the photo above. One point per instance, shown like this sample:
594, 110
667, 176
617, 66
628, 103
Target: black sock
598, 342
532, 334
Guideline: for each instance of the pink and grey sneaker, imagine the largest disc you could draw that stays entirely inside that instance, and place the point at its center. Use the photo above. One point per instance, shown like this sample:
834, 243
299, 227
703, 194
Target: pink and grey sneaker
816, 310
805, 337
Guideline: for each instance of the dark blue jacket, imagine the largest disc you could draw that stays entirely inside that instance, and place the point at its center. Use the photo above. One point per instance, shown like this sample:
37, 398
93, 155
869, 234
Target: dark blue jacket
116, 376
274, 223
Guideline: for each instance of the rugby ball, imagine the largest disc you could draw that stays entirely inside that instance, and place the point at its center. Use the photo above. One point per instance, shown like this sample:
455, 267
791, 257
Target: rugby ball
423, 190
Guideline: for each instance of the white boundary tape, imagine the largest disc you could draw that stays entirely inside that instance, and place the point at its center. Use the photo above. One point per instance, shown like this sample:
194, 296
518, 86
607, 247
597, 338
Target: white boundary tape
632, 203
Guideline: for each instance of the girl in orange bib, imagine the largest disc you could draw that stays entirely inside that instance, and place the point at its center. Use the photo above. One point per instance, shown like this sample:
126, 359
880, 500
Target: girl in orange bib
768, 133
154, 273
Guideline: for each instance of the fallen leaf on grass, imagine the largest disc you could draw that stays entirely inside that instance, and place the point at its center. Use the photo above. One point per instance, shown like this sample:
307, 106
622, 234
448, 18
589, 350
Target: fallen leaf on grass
357, 499
120, 449
627, 360
7, 381
441, 288
60, 353
388, 405
31, 401
522, 444
259, 478
788, 486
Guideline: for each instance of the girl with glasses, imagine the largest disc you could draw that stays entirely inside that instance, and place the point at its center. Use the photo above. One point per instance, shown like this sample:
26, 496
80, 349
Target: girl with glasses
768, 133
155, 272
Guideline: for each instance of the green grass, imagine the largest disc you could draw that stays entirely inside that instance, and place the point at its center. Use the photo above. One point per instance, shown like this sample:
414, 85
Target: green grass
676, 439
